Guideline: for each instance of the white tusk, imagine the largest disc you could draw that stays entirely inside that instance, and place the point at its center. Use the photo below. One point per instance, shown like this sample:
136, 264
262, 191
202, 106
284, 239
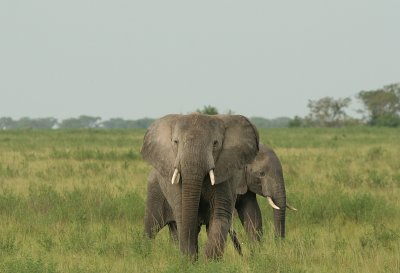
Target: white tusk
290, 207
212, 177
271, 203
175, 177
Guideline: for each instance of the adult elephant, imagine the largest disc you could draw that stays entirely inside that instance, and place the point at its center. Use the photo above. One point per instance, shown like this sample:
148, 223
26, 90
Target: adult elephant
263, 176
199, 155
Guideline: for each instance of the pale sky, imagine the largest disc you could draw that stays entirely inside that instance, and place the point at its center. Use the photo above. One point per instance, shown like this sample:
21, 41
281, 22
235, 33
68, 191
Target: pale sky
134, 59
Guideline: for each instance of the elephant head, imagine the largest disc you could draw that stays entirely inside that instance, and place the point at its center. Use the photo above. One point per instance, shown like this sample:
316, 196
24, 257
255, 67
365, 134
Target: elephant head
264, 176
196, 151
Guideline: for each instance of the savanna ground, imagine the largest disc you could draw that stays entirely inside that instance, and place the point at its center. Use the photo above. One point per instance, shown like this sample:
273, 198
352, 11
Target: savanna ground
73, 201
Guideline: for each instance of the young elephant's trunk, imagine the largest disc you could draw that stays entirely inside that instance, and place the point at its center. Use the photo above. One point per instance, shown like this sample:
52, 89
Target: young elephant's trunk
276, 196
279, 216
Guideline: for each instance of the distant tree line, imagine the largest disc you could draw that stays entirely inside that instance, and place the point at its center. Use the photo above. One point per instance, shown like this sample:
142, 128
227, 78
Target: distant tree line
381, 107
83, 121
88, 122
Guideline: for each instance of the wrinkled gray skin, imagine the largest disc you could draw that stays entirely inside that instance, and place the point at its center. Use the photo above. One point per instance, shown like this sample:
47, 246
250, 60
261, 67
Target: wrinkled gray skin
264, 176
195, 144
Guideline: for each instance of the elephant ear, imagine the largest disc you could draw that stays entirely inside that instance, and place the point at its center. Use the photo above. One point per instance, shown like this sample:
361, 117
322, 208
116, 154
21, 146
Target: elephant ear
157, 147
240, 180
240, 146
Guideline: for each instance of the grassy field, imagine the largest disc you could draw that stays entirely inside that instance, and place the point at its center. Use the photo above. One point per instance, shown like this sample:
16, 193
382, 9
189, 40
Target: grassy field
73, 201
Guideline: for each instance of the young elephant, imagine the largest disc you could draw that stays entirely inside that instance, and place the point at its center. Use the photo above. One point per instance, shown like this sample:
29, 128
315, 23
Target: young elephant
264, 176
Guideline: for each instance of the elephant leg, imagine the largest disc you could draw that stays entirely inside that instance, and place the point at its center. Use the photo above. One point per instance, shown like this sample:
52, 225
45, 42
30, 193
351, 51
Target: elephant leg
155, 212
220, 221
250, 215
217, 234
235, 240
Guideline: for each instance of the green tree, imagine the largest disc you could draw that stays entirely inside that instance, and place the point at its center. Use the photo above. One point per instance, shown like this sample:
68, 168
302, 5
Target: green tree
6, 123
80, 122
114, 123
23, 123
43, 123
208, 110
327, 112
382, 106
296, 122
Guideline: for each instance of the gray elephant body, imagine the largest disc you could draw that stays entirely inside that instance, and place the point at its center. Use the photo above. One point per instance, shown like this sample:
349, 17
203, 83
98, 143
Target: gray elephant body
264, 176
199, 154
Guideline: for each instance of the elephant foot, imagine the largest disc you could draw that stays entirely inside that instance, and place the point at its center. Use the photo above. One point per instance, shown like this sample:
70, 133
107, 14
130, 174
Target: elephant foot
191, 253
214, 253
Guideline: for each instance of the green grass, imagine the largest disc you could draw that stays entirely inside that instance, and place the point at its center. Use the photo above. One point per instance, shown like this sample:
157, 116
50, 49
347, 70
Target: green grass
73, 201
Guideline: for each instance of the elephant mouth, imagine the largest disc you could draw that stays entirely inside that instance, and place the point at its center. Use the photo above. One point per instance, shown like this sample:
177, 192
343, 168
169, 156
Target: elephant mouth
176, 177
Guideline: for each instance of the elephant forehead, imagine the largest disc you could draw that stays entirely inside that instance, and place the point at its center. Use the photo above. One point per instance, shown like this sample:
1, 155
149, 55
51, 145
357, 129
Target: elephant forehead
189, 131
197, 124
260, 161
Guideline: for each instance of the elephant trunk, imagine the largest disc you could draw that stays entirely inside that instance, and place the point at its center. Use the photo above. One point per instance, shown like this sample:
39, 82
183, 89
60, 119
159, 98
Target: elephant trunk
194, 165
279, 216
276, 194
191, 190
279, 197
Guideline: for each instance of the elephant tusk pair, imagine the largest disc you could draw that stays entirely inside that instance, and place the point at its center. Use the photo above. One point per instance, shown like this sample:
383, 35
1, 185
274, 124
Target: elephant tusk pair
272, 204
176, 177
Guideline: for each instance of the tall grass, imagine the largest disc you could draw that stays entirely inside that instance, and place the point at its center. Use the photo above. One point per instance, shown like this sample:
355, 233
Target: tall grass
73, 201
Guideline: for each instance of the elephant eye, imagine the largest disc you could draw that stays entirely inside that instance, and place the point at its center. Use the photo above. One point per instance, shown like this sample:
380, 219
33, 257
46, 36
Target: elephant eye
261, 173
215, 143
176, 141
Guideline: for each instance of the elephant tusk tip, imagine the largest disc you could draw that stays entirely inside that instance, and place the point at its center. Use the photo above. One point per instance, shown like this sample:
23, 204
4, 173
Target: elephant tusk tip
175, 177
212, 177
290, 207
272, 204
